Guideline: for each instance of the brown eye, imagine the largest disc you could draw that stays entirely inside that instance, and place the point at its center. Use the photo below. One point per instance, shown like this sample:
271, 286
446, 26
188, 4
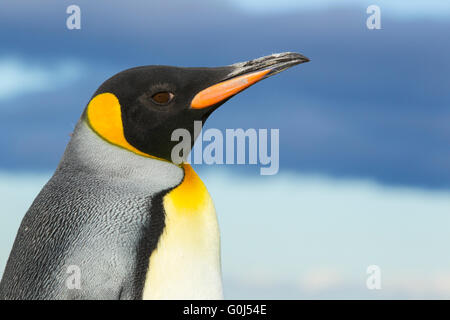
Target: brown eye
163, 97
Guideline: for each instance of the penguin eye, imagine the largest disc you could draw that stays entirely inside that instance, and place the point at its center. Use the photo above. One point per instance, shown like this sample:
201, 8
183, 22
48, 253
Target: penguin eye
163, 97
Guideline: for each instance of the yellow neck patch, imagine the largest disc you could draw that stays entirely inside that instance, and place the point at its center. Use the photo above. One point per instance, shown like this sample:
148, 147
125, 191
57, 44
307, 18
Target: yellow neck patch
190, 194
104, 116
186, 262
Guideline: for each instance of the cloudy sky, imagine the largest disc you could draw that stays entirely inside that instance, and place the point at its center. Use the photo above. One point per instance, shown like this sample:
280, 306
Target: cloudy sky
364, 130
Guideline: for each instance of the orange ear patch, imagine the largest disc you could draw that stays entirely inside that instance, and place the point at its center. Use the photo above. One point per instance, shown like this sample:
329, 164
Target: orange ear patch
105, 118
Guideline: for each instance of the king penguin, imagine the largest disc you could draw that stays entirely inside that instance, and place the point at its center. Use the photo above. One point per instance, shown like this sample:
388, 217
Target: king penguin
119, 219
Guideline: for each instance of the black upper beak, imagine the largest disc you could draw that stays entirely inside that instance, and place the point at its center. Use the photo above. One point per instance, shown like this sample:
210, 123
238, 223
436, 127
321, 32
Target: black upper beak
243, 75
276, 62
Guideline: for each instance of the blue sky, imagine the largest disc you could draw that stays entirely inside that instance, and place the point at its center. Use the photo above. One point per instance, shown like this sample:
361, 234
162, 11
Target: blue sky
372, 103
364, 130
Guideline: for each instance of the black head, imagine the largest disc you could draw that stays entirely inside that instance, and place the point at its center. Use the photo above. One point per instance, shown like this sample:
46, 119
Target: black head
140, 108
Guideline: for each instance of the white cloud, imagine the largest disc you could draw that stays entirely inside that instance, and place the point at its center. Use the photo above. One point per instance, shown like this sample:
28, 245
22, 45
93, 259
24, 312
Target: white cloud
317, 235
303, 236
402, 8
19, 77
320, 279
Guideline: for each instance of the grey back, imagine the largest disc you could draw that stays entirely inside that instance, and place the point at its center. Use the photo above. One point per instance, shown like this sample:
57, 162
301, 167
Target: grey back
100, 214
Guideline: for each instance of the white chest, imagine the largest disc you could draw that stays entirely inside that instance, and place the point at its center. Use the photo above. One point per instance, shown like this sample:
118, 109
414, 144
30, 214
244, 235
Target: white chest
186, 262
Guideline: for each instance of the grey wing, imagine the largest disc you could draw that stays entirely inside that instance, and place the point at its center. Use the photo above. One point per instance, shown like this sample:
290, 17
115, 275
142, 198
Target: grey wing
79, 240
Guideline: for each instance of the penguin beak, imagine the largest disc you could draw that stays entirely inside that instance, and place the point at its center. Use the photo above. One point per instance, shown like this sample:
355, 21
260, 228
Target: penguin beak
245, 74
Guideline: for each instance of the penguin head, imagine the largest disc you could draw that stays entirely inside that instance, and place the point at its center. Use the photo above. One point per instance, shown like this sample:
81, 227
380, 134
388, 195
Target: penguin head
138, 109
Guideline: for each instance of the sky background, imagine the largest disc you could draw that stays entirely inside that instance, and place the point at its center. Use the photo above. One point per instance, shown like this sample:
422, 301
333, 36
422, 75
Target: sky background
364, 130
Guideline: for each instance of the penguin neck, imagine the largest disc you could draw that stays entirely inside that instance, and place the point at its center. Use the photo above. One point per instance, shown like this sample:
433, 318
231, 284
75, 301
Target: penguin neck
186, 263
88, 152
